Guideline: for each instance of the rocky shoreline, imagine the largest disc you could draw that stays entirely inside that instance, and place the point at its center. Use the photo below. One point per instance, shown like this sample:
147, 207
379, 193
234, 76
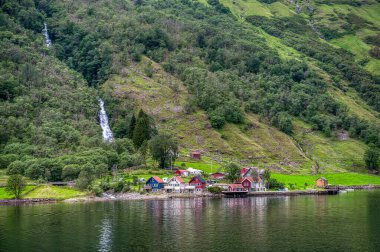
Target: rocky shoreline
26, 201
165, 196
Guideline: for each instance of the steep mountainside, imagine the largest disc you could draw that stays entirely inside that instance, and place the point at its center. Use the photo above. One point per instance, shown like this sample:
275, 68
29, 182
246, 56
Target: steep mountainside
292, 86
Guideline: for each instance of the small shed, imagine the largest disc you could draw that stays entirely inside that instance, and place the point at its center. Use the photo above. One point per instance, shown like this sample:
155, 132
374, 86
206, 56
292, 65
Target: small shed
218, 175
196, 154
321, 182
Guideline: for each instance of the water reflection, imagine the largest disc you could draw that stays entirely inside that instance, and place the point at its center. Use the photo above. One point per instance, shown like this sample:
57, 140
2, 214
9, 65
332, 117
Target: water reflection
105, 239
306, 223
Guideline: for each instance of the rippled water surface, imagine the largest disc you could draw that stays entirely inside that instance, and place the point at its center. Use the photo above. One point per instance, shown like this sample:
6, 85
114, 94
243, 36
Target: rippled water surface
347, 222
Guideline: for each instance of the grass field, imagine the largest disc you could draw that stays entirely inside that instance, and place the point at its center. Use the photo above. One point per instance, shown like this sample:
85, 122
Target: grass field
332, 154
6, 195
56, 192
346, 179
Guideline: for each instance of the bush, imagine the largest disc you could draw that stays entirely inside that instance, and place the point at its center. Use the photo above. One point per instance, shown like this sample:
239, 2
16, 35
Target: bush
84, 180
118, 186
217, 120
215, 189
274, 184
70, 172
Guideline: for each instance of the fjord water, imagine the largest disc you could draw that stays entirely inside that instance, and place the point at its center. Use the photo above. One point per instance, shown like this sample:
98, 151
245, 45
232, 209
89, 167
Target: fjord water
346, 222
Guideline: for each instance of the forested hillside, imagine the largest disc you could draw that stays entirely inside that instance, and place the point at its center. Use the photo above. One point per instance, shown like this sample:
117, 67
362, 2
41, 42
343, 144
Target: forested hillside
265, 83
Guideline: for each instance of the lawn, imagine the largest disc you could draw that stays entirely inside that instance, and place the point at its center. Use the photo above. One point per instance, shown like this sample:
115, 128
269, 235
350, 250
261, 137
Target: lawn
56, 192
346, 179
5, 195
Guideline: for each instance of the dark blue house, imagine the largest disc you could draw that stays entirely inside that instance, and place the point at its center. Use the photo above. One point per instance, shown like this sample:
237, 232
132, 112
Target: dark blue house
154, 184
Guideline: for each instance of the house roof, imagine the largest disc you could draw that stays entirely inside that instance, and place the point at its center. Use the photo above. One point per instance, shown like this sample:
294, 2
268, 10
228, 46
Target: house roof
257, 179
218, 174
322, 178
159, 180
240, 180
199, 177
181, 171
244, 170
179, 179
236, 186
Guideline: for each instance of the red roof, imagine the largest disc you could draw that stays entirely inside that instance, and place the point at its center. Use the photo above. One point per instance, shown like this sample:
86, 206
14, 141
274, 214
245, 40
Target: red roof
244, 170
250, 179
218, 174
180, 171
179, 179
158, 179
236, 186
240, 180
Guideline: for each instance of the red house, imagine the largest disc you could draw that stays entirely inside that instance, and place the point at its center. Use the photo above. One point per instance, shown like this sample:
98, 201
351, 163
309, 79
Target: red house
196, 155
236, 188
246, 183
182, 173
217, 175
198, 182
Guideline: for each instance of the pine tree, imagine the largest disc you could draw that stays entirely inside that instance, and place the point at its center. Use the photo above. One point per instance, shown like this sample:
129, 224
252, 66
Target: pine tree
141, 132
132, 126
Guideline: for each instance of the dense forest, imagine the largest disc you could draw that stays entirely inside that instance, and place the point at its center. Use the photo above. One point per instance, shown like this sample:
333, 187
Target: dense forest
49, 95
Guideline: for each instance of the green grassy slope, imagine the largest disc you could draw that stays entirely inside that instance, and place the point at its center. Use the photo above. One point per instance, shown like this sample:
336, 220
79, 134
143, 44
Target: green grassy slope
332, 154
257, 143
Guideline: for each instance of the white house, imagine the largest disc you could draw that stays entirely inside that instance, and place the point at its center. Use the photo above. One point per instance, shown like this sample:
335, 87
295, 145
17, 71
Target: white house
176, 185
194, 172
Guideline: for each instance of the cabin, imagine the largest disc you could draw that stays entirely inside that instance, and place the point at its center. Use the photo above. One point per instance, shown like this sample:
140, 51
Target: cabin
196, 155
198, 182
182, 173
218, 175
176, 185
321, 182
236, 188
154, 184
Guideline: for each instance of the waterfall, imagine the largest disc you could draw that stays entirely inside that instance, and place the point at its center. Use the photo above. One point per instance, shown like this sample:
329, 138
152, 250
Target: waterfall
107, 133
46, 34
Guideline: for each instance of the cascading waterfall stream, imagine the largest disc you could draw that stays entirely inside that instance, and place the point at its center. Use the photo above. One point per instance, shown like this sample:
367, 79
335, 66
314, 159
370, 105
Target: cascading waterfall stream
107, 133
46, 34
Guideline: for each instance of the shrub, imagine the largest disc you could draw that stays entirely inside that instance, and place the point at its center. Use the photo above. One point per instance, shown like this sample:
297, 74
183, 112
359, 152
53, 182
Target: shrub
274, 184
215, 189
70, 172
